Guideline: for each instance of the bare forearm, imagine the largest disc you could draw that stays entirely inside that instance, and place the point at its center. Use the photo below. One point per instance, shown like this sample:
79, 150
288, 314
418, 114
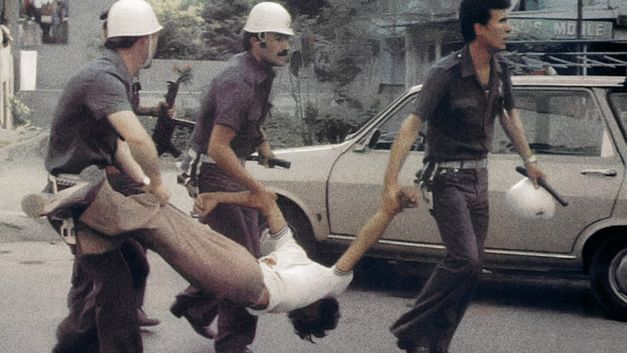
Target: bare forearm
124, 160
368, 235
145, 154
515, 132
147, 111
406, 137
268, 208
228, 161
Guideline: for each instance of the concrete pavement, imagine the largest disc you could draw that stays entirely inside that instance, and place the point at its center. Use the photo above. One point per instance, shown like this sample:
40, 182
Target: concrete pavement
509, 315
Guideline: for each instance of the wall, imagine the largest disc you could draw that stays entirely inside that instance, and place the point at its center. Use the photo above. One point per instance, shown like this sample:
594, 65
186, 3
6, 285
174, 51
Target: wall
6, 86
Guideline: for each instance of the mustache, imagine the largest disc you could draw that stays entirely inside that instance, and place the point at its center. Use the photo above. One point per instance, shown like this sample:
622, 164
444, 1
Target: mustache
283, 53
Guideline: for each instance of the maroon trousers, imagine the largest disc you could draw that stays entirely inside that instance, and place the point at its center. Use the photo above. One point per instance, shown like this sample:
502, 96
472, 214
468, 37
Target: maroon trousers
460, 208
236, 327
98, 282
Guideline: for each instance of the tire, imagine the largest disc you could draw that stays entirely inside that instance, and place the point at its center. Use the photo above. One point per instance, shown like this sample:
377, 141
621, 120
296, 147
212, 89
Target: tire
301, 228
609, 278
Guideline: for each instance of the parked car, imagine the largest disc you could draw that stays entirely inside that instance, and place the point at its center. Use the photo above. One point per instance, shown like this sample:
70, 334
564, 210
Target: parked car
576, 126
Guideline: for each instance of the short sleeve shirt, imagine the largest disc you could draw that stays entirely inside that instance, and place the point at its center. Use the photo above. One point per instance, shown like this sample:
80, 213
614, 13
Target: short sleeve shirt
81, 134
460, 112
295, 281
237, 98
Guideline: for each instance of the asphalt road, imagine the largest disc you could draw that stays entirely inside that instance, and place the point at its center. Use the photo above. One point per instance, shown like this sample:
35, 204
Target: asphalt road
510, 313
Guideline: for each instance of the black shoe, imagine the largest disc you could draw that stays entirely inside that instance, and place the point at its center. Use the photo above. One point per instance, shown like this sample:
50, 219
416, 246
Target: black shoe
78, 190
144, 320
179, 309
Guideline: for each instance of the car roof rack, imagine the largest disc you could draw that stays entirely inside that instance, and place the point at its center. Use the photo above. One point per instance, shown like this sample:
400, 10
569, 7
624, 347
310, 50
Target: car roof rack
537, 60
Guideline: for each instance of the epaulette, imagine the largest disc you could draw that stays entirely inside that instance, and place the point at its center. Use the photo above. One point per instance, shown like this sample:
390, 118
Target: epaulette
450, 60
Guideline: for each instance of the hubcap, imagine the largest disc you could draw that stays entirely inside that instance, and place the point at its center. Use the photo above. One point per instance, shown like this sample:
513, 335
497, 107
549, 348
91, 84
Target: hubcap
618, 275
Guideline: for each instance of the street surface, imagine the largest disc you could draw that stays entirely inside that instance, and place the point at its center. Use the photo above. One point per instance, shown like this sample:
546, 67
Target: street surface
509, 314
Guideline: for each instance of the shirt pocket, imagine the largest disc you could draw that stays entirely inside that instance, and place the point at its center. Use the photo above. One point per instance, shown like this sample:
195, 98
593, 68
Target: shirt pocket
468, 112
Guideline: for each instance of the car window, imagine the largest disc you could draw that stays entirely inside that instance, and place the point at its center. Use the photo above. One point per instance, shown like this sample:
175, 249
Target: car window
558, 122
618, 101
389, 129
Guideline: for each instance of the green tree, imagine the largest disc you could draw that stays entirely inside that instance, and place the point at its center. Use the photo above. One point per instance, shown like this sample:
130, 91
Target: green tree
183, 28
224, 21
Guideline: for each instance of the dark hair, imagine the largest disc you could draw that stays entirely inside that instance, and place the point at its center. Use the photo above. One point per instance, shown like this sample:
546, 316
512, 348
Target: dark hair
246, 36
477, 11
121, 42
305, 326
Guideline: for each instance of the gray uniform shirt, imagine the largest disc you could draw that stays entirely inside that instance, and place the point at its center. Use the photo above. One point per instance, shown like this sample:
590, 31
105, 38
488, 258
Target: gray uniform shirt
81, 135
237, 98
460, 113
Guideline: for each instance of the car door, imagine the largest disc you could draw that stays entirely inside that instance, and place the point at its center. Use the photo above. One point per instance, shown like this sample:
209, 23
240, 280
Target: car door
569, 134
356, 183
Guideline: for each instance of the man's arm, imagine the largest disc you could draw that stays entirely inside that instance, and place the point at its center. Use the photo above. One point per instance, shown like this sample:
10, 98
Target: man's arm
142, 149
154, 111
370, 233
206, 202
406, 137
220, 151
512, 125
126, 163
264, 150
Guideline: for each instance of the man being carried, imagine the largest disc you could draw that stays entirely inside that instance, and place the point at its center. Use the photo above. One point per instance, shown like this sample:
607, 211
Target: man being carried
284, 279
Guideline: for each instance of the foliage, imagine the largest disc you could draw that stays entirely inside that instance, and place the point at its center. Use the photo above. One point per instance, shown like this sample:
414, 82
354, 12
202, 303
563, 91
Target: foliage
338, 44
347, 40
224, 21
19, 110
335, 41
183, 28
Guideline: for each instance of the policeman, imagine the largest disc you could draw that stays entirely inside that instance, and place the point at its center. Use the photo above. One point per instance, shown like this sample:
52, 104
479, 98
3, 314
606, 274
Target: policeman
461, 97
94, 124
228, 129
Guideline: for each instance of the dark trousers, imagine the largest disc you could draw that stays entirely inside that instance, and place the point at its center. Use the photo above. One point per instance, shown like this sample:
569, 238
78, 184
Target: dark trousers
89, 297
103, 311
460, 208
236, 327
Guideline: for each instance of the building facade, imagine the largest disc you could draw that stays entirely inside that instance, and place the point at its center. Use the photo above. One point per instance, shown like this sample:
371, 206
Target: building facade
546, 34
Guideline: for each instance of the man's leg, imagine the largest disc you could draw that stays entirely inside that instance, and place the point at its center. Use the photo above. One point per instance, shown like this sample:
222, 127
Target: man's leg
135, 255
78, 332
112, 293
236, 327
443, 300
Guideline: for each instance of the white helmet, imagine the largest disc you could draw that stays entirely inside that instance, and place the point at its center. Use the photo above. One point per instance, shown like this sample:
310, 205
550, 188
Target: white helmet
528, 202
131, 18
269, 17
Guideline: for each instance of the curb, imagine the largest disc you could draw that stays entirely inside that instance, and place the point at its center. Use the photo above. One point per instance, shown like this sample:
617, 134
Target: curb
16, 226
33, 146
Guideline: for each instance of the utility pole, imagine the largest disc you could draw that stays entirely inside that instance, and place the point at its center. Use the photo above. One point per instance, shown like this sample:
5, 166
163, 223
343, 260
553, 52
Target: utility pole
581, 47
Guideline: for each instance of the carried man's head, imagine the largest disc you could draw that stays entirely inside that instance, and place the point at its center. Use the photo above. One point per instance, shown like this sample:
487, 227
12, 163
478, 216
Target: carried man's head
129, 22
267, 33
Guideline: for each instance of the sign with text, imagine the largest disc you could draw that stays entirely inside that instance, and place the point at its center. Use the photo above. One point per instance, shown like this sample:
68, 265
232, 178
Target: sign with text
539, 29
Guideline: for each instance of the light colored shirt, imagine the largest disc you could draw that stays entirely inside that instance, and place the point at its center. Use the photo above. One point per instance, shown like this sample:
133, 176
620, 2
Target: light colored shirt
292, 279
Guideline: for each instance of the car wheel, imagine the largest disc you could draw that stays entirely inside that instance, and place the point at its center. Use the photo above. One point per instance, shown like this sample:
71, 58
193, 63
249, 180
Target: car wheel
301, 228
609, 277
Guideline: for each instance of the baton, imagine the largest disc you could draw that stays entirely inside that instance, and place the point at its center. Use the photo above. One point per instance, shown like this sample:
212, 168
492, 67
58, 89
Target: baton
272, 162
544, 184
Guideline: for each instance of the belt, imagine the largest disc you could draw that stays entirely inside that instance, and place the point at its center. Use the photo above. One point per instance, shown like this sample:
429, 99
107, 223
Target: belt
470, 164
201, 157
205, 158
